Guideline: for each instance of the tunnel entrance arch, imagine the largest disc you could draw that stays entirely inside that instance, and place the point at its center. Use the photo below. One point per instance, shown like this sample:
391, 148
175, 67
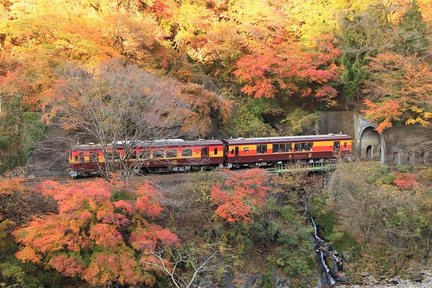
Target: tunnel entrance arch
371, 144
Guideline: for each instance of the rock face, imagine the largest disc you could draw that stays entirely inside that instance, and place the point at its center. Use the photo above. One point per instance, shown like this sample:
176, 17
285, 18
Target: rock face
423, 280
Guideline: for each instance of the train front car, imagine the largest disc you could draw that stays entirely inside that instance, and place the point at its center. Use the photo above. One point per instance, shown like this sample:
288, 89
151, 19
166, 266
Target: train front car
267, 151
165, 156
157, 156
85, 160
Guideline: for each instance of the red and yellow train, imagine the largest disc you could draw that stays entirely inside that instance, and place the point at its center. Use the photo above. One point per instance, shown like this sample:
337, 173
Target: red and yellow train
180, 155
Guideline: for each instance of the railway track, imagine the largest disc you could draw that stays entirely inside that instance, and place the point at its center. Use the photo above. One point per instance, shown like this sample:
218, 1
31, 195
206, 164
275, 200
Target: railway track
277, 169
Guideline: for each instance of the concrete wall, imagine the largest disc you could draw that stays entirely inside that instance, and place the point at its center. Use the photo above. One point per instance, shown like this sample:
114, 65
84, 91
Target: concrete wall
336, 122
395, 146
404, 145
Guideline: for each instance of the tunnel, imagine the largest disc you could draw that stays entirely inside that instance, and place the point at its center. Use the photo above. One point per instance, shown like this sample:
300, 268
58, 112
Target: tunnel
370, 144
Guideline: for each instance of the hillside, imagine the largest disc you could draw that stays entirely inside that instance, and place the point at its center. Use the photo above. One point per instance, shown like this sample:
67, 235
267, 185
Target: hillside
121, 71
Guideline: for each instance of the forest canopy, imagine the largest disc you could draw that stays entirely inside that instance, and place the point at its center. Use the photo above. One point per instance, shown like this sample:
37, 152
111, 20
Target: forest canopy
258, 61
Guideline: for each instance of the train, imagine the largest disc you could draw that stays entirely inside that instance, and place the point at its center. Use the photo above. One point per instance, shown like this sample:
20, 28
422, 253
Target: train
178, 155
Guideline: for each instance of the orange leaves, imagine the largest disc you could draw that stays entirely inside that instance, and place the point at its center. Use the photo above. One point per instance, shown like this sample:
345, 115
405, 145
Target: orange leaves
107, 267
27, 254
8, 186
398, 88
239, 195
385, 112
87, 238
406, 180
285, 67
106, 235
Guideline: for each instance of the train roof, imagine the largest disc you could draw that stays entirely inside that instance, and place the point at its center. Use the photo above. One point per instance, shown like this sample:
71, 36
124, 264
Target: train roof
157, 143
284, 139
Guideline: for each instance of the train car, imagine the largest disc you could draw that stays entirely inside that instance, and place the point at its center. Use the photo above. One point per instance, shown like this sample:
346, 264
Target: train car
267, 151
85, 160
158, 156
181, 155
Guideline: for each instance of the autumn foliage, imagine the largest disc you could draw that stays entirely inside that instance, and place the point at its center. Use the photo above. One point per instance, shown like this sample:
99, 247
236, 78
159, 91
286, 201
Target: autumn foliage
240, 194
398, 88
96, 236
406, 180
268, 70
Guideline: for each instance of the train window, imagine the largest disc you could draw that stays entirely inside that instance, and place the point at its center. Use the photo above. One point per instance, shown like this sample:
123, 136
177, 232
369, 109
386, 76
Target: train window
130, 154
75, 157
215, 151
261, 149
81, 157
298, 147
158, 154
171, 153
245, 149
111, 155
286, 147
345, 144
145, 154
186, 152
93, 157
133, 154
308, 146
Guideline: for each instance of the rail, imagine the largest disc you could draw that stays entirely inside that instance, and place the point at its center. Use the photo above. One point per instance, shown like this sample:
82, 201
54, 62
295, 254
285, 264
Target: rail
312, 167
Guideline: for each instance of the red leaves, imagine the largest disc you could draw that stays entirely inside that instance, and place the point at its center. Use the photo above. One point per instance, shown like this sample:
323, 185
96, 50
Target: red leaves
147, 202
91, 225
282, 66
147, 239
105, 235
126, 207
240, 194
406, 180
68, 265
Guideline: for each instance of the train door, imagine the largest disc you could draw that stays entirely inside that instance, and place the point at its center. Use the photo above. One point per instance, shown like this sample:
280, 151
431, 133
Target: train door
204, 152
336, 146
236, 152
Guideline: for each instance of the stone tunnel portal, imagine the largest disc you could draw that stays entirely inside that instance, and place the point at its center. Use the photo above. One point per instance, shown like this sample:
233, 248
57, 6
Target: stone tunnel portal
370, 144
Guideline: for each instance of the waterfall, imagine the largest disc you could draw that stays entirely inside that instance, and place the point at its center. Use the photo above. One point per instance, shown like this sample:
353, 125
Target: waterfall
324, 249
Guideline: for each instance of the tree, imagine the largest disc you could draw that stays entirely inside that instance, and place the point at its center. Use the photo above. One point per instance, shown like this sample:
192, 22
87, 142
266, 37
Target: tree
361, 36
398, 88
123, 105
18, 205
102, 233
240, 194
268, 70
411, 37
179, 259
386, 220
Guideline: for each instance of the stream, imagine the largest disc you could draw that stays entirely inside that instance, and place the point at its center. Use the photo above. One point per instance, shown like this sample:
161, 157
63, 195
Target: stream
331, 265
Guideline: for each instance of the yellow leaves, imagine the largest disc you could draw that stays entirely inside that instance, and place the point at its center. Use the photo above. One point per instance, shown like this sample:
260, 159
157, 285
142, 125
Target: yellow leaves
426, 11
422, 117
